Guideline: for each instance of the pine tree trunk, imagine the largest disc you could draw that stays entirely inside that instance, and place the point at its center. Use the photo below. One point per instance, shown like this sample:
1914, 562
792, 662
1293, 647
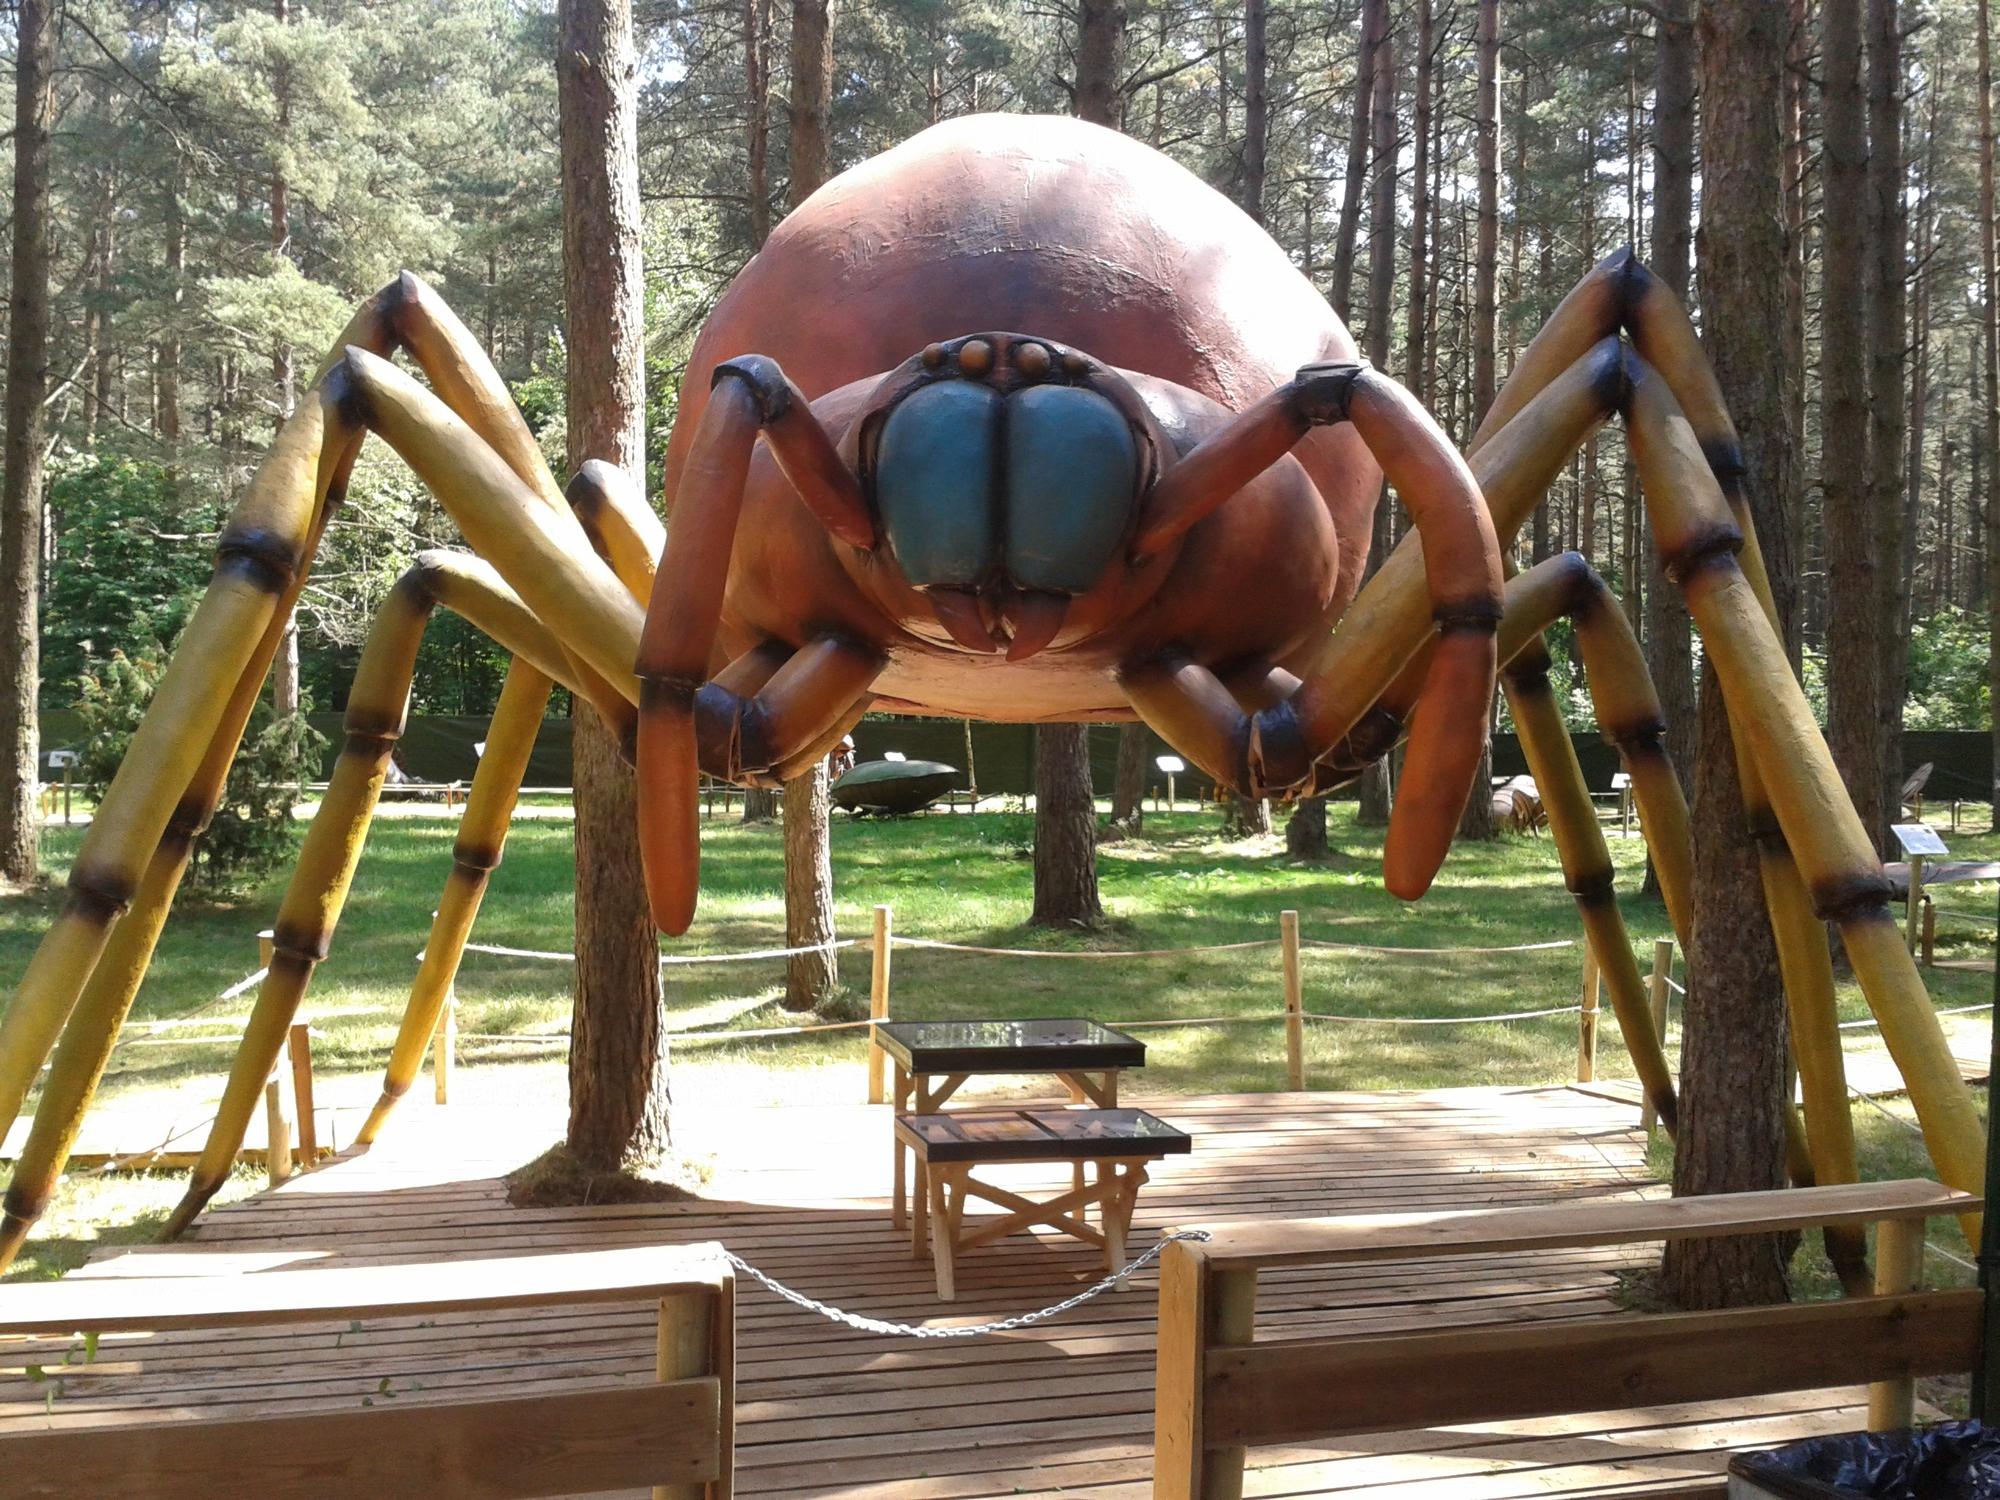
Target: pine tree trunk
1486, 258
809, 977
1986, 434
170, 335
1669, 636
26, 441
1887, 342
619, 1104
1305, 830
1065, 830
1100, 45
1245, 817
757, 118
1256, 105
1128, 787
760, 804
811, 96
1733, 1070
1376, 792
1853, 562
808, 809
1374, 25
1476, 820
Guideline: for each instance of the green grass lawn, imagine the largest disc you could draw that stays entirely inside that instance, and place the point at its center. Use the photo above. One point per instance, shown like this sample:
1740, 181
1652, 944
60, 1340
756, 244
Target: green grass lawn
963, 879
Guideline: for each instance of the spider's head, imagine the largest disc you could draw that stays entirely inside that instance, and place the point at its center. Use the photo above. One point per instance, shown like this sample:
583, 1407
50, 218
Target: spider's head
1006, 474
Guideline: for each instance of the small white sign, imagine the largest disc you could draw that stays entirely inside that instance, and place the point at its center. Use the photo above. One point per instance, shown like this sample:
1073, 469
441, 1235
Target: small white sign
1619, 781
1918, 838
1173, 765
894, 755
61, 758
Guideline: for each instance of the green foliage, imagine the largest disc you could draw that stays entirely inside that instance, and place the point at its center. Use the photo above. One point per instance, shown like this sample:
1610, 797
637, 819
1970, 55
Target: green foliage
251, 834
1949, 686
127, 570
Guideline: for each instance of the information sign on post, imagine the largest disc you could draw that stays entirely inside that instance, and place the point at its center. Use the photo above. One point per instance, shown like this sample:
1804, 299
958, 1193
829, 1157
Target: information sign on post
1920, 841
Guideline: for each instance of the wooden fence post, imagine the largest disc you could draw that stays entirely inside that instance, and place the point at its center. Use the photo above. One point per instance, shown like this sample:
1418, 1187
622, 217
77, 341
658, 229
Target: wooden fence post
694, 1340
1586, 1030
1930, 933
1656, 1002
444, 1047
298, 1044
1899, 1267
1295, 1020
1916, 901
878, 1004
278, 1134
1200, 1309
267, 948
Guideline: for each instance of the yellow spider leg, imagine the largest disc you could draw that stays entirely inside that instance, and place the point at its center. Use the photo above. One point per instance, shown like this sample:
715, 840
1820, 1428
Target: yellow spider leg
376, 709
260, 556
475, 854
1697, 538
1512, 463
1586, 865
619, 523
541, 550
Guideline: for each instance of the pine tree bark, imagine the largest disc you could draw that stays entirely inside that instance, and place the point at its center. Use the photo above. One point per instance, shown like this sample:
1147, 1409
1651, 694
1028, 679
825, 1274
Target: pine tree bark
757, 118
1669, 636
1100, 47
760, 804
170, 335
809, 977
1733, 1071
1486, 254
808, 806
1374, 26
1256, 105
1476, 820
1305, 830
619, 1103
1853, 583
1888, 253
26, 441
1376, 795
1128, 786
1065, 830
811, 96
1986, 435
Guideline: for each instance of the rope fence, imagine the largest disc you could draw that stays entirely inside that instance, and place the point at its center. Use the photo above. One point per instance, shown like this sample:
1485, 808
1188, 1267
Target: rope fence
882, 943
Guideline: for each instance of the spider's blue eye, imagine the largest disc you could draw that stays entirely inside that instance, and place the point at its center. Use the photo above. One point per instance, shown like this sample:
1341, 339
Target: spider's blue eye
1072, 470
934, 470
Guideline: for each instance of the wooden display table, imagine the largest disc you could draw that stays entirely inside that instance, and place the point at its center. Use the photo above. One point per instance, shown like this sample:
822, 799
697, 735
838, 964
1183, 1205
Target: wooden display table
935, 1058
1119, 1142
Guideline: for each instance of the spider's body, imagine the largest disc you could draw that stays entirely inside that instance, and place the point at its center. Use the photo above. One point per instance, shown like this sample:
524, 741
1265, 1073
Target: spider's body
1018, 421
1086, 239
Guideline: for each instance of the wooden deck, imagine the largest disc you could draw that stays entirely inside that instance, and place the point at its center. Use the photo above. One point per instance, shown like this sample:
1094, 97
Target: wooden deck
1064, 1407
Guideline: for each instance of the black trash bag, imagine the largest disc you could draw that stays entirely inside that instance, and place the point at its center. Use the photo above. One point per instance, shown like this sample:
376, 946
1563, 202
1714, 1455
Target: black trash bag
1952, 1461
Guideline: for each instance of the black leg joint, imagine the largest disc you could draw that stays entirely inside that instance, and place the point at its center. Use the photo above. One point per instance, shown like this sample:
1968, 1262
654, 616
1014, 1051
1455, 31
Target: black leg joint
765, 379
1321, 394
1278, 757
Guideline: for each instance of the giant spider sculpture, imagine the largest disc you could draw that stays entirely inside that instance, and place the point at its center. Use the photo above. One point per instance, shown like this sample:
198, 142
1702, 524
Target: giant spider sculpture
1018, 421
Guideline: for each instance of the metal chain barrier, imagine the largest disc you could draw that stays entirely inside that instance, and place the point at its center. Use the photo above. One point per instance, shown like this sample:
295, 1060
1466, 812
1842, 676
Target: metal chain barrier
1003, 1325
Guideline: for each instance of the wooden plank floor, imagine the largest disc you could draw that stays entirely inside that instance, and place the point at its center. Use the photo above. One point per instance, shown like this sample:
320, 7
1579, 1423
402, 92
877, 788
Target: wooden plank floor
1064, 1407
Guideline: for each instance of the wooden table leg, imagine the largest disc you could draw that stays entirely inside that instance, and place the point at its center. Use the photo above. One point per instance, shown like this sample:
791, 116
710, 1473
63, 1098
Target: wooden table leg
897, 1148
946, 1207
920, 1206
1118, 1217
1076, 1177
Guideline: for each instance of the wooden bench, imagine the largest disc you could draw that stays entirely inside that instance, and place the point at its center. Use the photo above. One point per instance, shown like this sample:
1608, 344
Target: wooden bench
1220, 1392
1118, 1143
675, 1434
